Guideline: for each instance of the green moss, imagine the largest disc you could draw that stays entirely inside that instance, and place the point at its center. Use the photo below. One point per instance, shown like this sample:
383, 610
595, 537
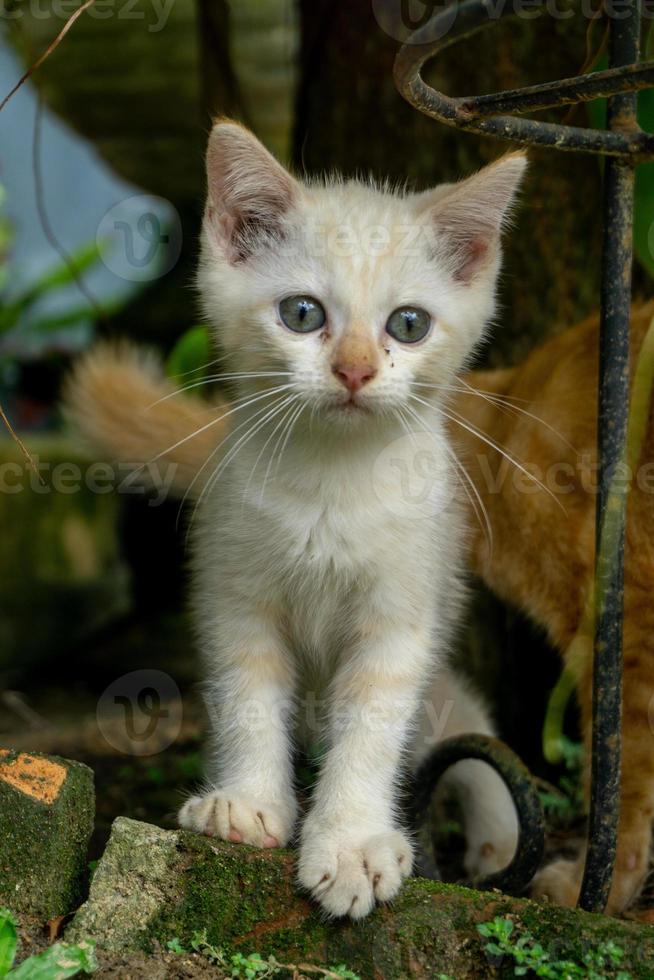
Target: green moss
241, 896
153, 885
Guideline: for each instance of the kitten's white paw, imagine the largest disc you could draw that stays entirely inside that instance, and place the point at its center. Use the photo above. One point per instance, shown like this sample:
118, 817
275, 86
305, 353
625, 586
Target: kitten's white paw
347, 877
239, 818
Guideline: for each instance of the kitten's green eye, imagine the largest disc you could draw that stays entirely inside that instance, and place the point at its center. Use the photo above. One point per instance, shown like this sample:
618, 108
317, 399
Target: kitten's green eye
409, 324
302, 313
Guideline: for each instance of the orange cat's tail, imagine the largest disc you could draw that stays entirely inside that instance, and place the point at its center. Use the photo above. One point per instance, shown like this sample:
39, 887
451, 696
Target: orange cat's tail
126, 411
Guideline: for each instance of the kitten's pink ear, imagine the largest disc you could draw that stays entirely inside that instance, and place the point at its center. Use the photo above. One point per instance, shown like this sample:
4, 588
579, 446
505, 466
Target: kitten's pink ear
248, 191
469, 216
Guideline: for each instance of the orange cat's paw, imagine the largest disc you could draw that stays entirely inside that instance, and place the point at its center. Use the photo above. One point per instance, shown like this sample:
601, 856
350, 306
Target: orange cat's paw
560, 882
631, 869
238, 818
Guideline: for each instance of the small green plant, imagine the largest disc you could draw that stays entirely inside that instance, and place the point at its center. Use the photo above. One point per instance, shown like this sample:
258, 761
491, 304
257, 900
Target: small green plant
55, 963
254, 966
174, 946
568, 802
530, 957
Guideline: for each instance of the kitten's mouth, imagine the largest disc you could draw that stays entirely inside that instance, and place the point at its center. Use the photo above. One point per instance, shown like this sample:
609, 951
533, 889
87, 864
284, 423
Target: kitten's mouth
352, 404
347, 407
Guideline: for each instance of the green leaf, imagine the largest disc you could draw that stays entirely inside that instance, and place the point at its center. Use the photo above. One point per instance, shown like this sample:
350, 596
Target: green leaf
58, 962
8, 941
53, 279
190, 357
65, 273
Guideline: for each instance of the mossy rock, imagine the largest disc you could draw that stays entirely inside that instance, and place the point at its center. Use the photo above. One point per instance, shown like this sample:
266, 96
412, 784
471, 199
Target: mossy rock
154, 885
47, 807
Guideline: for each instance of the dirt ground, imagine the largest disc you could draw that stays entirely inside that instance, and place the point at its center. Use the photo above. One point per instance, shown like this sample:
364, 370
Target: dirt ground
160, 965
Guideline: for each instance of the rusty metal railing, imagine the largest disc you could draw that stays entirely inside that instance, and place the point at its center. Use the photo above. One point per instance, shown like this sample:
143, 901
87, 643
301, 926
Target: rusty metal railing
623, 144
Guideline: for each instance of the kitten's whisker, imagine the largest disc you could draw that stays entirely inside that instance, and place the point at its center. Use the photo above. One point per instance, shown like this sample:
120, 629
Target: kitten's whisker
230, 435
230, 454
202, 367
476, 502
473, 430
236, 448
281, 425
405, 426
220, 377
288, 433
208, 425
221, 358
289, 400
501, 401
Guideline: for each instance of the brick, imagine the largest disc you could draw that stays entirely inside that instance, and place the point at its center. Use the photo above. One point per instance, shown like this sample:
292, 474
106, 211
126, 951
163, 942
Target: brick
47, 808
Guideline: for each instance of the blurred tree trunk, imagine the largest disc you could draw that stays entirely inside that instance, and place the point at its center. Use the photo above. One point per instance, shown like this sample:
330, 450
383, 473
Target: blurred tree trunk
351, 118
220, 93
258, 87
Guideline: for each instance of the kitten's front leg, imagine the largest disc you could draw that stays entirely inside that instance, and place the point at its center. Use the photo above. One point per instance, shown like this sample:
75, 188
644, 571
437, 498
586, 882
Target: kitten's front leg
250, 798
352, 851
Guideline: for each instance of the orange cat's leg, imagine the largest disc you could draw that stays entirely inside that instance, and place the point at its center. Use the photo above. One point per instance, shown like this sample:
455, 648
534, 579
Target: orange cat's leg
637, 783
561, 880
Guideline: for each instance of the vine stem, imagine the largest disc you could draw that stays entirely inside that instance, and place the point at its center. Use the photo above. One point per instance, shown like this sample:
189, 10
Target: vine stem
48, 51
21, 445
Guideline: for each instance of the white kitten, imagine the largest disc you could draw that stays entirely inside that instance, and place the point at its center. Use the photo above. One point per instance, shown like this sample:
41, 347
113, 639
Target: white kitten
326, 580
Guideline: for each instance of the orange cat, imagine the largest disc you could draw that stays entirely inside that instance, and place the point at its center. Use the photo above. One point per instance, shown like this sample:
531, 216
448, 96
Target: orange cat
543, 542
542, 554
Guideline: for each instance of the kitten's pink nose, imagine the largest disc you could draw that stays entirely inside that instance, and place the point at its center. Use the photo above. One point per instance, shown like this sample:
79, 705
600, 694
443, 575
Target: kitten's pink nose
354, 376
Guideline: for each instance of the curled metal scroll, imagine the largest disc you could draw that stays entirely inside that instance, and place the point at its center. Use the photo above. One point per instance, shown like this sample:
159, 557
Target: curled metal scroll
492, 115
531, 837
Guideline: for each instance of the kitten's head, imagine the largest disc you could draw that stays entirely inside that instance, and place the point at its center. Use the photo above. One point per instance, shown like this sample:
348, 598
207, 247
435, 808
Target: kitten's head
349, 294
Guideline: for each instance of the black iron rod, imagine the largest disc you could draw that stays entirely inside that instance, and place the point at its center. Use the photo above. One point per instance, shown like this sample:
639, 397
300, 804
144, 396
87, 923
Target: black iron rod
617, 254
567, 91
